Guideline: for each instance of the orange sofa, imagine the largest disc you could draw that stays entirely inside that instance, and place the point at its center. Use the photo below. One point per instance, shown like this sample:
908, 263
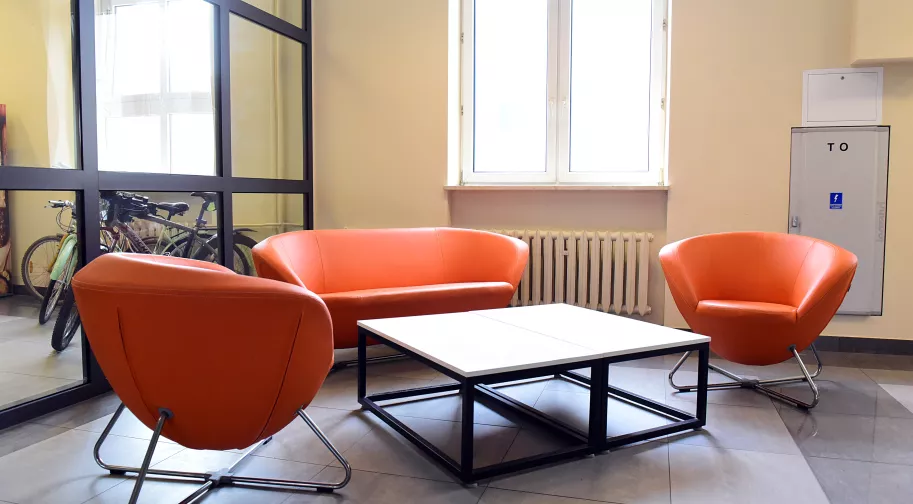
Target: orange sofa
381, 273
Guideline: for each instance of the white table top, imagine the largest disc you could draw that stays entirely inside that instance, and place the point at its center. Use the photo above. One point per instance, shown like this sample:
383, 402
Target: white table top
510, 339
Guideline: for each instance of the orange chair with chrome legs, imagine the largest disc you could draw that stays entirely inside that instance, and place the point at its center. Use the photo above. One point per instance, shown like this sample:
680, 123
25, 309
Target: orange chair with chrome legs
761, 297
240, 359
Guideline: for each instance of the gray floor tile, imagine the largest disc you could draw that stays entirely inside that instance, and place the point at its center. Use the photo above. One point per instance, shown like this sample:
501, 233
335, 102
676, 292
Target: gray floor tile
831, 436
741, 428
82, 413
339, 391
903, 394
298, 443
127, 426
17, 388
704, 475
374, 488
37, 358
843, 391
890, 377
384, 450
887, 405
844, 481
498, 496
891, 484
26, 434
634, 474
71, 474
574, 410
894, 441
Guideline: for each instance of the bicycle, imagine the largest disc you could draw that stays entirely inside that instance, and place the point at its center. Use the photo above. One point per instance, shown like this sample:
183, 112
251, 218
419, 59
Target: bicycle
63, 265
121, 209
40, 256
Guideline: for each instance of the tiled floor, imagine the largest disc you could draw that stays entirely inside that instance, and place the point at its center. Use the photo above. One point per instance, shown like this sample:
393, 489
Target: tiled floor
29, 367
856, 447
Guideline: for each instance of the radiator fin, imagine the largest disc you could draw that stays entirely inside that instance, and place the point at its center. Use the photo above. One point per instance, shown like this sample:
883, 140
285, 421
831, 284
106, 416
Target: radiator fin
601, 270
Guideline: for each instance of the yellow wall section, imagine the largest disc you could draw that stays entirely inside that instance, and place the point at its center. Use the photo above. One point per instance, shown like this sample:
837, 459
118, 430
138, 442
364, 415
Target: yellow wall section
380, 113
37, 89
882, 31
735, 92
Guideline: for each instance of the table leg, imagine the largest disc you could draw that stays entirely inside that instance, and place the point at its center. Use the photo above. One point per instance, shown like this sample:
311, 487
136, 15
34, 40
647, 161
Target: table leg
467, 392
703, 361
362, 364
599, 404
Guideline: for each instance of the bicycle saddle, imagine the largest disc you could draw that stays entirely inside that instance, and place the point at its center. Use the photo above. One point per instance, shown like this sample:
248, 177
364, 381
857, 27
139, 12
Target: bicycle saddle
210, 197
173, 208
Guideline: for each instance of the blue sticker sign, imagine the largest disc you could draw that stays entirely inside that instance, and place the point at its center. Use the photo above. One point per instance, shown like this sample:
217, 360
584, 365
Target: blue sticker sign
836, 201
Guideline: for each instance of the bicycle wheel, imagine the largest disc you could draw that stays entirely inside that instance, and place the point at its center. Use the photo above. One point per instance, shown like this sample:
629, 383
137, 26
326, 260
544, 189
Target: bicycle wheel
243, 246
37, 263
208, 252
67, 324
55, 291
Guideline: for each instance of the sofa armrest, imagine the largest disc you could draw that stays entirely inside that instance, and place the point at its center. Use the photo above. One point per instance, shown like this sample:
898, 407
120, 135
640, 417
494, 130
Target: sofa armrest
480, 256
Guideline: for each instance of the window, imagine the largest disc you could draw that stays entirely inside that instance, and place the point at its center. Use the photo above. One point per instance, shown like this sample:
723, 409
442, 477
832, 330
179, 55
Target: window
155, 86
563, 91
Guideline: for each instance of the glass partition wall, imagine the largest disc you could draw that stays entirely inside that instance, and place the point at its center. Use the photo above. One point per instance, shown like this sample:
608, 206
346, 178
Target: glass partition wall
200, 106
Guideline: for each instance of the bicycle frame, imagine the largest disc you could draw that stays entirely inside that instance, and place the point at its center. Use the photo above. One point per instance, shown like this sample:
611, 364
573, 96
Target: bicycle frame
67, 250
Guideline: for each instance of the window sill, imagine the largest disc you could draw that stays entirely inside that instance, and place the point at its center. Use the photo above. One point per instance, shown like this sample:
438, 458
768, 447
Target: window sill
555, 187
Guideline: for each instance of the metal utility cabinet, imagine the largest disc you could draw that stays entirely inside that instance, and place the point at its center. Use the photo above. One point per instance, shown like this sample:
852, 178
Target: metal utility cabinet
838, 192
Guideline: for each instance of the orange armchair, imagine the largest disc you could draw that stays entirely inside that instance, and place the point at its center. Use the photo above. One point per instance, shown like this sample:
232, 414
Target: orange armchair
381, 273
761, 297
211, 380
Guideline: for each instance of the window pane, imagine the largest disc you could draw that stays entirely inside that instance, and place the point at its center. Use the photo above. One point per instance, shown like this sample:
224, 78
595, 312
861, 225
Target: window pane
193, 143
610, 85
32, 239
511, 85
288, 10
131, 144
190, 46
37, 97
259, 216
155, 87
267, 118
137, 45
174, 224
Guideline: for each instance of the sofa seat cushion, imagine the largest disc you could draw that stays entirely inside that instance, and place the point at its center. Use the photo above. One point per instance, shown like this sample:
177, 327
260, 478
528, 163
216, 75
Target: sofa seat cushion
347, 308
748, 310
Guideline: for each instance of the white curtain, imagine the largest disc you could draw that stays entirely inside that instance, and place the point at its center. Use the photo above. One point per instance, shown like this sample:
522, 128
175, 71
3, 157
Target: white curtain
154, 66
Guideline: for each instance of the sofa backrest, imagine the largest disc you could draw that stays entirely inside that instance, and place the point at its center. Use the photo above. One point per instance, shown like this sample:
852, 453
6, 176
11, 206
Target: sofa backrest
343, 260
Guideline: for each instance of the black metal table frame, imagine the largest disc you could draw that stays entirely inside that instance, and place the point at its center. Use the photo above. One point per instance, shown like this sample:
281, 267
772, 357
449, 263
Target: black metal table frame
480, 388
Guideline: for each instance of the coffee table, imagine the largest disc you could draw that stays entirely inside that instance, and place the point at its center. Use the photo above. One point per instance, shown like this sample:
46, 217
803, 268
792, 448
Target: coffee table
481, 349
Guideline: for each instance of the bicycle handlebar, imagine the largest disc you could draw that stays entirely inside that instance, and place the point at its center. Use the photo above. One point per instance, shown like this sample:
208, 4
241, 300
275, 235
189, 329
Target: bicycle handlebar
60, 204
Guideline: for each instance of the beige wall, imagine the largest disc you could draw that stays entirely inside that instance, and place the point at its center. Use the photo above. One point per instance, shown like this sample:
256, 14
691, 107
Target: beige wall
882, 31
37, 89
735, 92
380, 113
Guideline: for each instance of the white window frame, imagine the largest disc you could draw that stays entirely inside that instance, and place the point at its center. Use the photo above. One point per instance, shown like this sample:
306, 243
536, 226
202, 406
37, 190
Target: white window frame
559, 107
163, 104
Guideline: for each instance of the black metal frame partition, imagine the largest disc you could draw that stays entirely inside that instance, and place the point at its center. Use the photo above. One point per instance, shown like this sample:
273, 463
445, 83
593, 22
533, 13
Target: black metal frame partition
87, 181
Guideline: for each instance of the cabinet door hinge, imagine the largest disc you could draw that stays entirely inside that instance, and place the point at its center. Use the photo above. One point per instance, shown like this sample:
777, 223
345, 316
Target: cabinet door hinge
665, 24
662, 103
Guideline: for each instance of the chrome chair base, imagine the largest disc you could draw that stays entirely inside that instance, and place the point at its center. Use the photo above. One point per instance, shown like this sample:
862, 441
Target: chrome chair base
214, 479
762, 386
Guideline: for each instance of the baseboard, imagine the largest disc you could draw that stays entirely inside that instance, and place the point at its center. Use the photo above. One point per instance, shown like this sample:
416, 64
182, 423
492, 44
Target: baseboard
851, 344
864, 345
